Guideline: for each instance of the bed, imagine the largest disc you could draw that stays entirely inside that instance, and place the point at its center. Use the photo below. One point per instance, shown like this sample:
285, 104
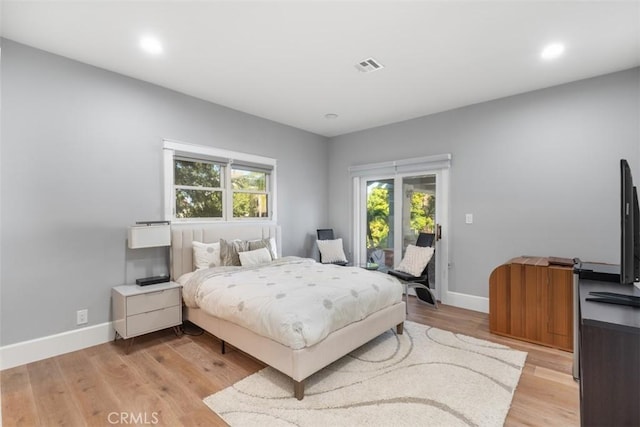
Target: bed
295, 359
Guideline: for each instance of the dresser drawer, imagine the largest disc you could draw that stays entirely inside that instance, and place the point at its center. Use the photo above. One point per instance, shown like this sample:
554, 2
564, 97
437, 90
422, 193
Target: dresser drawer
152, 301
153, 321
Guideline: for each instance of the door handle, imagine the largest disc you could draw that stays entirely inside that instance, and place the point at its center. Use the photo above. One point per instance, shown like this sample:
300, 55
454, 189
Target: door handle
438, 232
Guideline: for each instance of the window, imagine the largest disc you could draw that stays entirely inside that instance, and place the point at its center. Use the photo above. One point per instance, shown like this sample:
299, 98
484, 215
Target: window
208, 184
250, 195
198, 188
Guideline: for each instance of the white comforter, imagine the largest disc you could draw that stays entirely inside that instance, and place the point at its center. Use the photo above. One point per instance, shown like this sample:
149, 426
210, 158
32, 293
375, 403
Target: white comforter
294, 301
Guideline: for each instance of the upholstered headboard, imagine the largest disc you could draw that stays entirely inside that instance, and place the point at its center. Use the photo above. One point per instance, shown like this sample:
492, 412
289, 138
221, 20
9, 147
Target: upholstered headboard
183, 234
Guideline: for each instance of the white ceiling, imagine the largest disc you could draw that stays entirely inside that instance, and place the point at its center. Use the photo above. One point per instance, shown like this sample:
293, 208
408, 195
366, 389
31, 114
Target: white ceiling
293, 61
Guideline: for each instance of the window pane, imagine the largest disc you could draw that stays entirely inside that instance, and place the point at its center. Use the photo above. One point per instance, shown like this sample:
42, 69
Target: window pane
248, 205
380, 215
197, 174
248, 180
198, 204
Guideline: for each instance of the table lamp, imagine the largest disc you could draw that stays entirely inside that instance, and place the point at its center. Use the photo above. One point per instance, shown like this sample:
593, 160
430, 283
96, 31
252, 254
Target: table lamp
150, 234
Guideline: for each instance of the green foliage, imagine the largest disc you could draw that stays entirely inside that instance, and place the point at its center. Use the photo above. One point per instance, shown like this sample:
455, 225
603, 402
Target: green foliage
248, 180
378, 217
199, 192
422, 214
248, 205
197, 174
198, 204
194, 202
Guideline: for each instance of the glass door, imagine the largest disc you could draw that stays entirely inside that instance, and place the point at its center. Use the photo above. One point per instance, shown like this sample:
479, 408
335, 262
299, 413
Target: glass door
419, 213
379, 222
393, 203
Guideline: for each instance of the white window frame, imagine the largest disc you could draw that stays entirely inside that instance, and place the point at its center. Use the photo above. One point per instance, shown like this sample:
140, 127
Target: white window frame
227, 158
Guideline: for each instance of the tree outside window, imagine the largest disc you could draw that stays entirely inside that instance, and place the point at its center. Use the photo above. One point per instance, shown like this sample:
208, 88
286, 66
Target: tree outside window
250, 199
198, 189
378, 207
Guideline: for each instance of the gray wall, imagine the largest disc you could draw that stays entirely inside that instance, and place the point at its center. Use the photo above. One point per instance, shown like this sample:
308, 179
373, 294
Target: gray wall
539, 171
81, 159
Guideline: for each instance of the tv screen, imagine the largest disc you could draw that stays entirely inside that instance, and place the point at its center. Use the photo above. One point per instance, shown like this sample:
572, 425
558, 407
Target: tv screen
629, 257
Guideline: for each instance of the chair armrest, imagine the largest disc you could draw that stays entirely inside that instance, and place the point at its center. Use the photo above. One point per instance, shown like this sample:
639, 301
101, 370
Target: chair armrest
406, 276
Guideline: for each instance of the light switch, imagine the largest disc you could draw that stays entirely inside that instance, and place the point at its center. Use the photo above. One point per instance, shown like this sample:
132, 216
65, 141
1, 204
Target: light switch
468, 218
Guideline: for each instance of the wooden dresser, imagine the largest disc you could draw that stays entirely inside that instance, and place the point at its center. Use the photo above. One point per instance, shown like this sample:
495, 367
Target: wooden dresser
531, 299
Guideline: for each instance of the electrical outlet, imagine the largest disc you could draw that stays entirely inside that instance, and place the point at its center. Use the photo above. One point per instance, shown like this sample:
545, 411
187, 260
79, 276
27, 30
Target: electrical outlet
82, 316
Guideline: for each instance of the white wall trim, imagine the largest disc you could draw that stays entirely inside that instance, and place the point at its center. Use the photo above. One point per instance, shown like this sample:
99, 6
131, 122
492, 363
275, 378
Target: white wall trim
53, 345
470, 302
184, 147
414, 164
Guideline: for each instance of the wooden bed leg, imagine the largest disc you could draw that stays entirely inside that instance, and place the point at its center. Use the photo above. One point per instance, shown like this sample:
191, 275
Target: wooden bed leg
400, 328
222, 348
298, 389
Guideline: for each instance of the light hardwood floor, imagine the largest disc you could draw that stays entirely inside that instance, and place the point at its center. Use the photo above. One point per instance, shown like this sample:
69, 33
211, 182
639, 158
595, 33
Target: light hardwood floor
164, 378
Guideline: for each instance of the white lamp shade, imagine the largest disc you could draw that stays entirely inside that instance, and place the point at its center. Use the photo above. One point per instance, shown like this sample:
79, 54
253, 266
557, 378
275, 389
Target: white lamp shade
149, 236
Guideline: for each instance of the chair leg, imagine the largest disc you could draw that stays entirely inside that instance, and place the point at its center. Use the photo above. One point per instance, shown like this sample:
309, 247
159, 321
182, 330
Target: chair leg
424, 294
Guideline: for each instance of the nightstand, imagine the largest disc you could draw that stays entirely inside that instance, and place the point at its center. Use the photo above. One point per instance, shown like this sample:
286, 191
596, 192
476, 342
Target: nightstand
138, 310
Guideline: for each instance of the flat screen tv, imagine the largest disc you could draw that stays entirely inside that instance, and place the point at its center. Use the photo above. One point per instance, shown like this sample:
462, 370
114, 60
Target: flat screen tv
629, 226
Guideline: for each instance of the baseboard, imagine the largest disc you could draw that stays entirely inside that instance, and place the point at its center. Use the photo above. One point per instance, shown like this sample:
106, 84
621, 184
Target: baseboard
53, 345
470, 302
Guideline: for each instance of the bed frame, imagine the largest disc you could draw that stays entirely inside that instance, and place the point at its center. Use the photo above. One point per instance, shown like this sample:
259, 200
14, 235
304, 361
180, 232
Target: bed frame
297, 364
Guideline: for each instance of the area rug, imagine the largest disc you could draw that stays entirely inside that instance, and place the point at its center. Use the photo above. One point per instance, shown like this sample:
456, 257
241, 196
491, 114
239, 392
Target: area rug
424, 377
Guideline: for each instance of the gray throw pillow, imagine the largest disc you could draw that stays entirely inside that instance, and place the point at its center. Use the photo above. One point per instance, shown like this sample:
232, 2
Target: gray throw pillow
229, 251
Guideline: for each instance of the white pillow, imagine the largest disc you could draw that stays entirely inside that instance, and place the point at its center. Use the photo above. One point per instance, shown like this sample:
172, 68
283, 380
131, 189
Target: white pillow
331, 251
206, 255
415, 260
255, 257
269, 243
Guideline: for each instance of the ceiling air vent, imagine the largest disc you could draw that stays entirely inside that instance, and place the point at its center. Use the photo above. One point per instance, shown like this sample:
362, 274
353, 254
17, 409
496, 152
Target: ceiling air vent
369, 65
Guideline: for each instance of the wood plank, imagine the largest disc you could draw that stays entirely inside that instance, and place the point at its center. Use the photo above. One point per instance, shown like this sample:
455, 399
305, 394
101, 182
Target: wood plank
181, 398
54, 401
499, 296
18, 403
556, 376
218, 368
169, 375
91, 393
133, 391
561, 307
186, 371
203, 417
531, 302
516, 302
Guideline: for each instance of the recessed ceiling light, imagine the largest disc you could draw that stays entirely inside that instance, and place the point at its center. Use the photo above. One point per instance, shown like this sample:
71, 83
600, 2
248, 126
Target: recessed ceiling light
151, 45
331, 116
552, 51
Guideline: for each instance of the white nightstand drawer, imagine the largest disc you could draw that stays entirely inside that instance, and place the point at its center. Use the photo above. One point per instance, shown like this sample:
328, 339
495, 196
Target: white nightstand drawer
153, 321
152, 301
